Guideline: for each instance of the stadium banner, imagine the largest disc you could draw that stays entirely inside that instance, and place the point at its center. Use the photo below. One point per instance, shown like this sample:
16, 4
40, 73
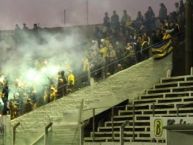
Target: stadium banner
162, 49
157, 124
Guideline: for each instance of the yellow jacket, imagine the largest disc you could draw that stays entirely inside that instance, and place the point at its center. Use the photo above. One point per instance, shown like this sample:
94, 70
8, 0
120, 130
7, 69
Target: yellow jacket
166, 36
104, 52
71, 79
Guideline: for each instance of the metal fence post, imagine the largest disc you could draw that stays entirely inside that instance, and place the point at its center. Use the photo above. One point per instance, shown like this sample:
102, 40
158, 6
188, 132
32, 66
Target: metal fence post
46, 132
122, 135
81, 124
112, 120
122, 132
153, 109
93, 125
82, 134
177, 112
14, 132
133, 122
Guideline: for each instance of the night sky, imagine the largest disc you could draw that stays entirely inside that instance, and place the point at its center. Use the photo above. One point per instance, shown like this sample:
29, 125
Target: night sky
50, 13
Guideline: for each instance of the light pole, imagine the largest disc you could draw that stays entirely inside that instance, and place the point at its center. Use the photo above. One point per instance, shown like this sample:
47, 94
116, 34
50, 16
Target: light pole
64, 17
188, 36
87, 11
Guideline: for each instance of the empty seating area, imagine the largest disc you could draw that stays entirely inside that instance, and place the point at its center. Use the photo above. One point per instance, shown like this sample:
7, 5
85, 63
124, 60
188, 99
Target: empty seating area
172, 97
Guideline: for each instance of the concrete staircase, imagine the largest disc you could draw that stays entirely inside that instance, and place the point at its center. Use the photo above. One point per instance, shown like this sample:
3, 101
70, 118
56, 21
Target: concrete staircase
163, 100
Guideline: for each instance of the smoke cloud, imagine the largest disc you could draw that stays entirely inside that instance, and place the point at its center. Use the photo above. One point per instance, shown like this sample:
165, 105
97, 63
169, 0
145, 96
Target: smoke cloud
31, 60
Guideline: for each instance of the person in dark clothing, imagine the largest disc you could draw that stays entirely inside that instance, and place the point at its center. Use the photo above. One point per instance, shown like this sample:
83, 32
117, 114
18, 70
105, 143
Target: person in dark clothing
124, 21
98, 35
25, 28
139, 20
106, 20
182, 7
156, 37
62, 84
115, 24
150, 19
5, 94
163, 12
28, 106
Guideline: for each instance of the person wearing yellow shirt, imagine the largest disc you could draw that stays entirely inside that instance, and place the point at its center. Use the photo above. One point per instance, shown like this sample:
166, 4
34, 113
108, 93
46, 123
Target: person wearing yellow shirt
71, 81
104, 51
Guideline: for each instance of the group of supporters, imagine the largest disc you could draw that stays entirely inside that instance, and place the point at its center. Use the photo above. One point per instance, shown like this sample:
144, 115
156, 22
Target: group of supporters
130, 39
118, 45
26, 98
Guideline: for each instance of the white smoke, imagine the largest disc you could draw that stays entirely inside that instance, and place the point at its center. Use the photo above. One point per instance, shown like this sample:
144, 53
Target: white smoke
35, 59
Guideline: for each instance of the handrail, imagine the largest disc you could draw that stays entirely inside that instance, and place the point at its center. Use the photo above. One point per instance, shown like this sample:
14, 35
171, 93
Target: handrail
47, 127
14, 132
46, 130
41, 136
79, 123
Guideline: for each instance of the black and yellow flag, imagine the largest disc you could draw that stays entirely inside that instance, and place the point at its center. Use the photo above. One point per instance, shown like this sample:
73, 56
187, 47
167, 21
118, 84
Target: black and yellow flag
162, 49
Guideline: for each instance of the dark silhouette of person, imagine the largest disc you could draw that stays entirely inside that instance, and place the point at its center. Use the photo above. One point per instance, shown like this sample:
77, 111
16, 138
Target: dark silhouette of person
106, 20
5, 94
150, 20
163, 12
115, 24
62, 84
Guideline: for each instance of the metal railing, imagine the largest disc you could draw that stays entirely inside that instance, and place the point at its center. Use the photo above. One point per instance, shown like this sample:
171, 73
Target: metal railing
77, 139
38, 140
14, 132
122, 131
113, 111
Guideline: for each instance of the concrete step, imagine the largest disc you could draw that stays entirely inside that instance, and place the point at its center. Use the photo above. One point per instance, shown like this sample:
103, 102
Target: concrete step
186, 83
182, 111
117, 134
144, 101
136, 123
170, 89
177, 94
166, 95
174, 79
96, 139
126, 129
173, 84
126, 139
166, 85
122, 117
127, 112
137, 107
152, 96
161, 90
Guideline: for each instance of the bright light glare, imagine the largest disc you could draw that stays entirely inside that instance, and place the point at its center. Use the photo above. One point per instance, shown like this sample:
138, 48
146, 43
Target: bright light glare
33, 76
53, 70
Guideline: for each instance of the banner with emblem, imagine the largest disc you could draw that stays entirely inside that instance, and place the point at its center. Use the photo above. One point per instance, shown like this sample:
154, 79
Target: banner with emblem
162, 49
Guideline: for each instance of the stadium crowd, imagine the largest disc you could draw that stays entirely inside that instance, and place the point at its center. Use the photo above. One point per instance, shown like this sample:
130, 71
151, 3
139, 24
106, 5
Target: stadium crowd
119, 43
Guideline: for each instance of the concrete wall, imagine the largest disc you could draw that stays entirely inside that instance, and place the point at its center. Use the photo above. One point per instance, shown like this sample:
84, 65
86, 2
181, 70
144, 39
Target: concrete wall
179, 138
